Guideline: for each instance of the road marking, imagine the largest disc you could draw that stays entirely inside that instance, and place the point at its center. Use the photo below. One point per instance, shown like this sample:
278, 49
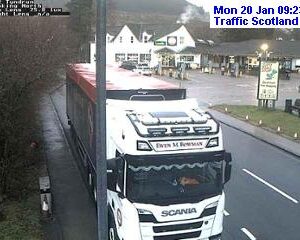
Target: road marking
226, 213
271, 186
248, 233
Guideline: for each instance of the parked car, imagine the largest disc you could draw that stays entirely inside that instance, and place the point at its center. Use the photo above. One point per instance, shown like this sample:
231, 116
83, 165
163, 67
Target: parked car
128, 65
143, 69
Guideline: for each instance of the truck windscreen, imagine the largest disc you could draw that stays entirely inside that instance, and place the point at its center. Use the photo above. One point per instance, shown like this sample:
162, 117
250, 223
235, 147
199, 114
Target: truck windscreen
174, 183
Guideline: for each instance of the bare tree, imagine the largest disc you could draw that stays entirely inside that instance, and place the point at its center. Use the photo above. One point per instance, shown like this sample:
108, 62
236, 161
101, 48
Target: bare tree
32, 50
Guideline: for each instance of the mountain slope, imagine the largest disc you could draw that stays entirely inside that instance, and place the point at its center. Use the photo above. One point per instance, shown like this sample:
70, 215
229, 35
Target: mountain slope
169, 7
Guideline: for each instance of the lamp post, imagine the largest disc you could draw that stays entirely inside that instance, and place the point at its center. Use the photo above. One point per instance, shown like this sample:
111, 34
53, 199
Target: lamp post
101, 161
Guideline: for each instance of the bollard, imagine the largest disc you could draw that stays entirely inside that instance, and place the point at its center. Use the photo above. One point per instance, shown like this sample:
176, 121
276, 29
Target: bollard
296, 135
45, 196
278, 129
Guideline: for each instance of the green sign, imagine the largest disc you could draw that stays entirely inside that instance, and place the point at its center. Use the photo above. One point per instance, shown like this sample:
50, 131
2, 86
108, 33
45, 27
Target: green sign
160, 43
268, 81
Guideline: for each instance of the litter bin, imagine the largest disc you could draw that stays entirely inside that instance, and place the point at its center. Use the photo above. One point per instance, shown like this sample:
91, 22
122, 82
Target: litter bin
288, 105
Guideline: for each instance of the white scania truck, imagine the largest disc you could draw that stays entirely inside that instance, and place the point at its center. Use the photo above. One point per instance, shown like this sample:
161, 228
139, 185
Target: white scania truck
167, 163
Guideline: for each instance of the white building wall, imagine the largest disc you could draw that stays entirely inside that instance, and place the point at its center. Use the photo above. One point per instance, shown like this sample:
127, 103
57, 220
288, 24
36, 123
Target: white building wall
188, 41
295, 64
122, 44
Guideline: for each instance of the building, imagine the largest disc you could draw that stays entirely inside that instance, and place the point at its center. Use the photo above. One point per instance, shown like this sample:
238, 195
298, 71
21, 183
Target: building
167, 45
247, 53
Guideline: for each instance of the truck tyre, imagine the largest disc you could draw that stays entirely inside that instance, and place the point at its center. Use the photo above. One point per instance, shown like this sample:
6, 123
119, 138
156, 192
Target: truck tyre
112, 234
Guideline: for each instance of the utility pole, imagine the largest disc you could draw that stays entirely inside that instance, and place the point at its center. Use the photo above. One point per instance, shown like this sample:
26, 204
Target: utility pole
101, 164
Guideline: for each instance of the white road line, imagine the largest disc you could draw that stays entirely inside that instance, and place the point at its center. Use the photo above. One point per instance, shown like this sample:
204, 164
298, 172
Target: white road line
226, 213
248, 233
271, 186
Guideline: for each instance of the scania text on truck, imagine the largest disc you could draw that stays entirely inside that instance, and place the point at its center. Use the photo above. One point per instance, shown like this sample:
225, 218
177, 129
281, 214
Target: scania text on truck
166, 162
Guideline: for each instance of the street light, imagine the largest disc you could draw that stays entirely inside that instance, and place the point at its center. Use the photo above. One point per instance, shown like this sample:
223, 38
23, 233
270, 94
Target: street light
264, 47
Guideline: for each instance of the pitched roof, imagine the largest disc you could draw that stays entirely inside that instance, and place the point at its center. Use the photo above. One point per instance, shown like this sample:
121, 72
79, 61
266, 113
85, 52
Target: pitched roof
156, 30
165, 50
201, 48
114, 30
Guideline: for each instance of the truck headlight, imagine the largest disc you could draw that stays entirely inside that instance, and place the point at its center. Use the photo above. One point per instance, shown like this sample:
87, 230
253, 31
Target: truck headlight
216, 237
143, 146
143, 211
213, 142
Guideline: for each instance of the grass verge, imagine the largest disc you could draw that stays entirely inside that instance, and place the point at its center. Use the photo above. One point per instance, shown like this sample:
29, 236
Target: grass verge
289, 124
20, 209
22, 217
22, 220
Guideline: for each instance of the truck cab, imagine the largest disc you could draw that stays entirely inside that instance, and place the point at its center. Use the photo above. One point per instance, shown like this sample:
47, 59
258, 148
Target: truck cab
167, 172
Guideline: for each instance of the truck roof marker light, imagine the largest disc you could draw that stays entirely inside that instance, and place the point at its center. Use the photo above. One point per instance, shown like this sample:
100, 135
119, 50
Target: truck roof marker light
143, 146
202, 130
213, 142
180, 130
157, 131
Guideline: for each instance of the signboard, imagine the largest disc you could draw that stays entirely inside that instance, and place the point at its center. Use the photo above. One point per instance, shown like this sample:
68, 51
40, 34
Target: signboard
172, 41
192, 144
268, 81
160, 43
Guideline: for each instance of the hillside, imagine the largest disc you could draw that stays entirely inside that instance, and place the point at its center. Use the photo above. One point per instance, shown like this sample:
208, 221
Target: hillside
168, 7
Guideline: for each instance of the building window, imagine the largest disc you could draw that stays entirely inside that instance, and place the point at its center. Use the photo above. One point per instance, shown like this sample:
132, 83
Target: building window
120, 57
108, 39
131, 39
145, 58
121, 39
181, 40
133, 57
145, 39
186, 58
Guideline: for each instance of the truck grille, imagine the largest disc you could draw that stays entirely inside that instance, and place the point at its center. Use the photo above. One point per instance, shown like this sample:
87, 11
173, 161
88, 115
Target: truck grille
175, 230
179, 236
181, 227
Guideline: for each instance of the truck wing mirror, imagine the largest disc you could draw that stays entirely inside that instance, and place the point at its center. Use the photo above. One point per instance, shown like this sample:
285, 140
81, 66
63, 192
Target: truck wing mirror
228, 167
112, 174
112, 164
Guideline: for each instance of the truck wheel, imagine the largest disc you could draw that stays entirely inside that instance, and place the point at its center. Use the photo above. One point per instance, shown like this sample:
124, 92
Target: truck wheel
112, 235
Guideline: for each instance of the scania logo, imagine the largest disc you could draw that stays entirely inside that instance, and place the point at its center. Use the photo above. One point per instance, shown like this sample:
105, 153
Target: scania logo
178, 212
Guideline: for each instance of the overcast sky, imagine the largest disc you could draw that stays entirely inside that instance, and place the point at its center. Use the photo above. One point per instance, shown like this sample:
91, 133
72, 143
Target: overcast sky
202, 3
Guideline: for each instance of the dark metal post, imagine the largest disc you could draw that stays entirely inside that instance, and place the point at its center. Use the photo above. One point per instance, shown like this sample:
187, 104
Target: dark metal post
101, 165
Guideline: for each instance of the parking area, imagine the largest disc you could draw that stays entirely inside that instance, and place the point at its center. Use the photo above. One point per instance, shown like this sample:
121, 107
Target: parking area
217, 89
